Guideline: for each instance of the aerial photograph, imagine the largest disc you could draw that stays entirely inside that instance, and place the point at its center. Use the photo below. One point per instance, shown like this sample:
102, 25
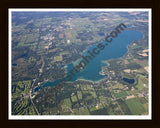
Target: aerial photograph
79, 63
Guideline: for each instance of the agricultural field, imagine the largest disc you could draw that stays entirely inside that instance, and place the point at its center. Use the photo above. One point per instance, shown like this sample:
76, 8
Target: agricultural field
135, 106
120, 94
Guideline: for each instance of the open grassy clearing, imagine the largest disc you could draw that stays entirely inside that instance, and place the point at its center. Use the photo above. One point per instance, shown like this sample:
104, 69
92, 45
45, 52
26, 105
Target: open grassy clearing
135, 106
120, 94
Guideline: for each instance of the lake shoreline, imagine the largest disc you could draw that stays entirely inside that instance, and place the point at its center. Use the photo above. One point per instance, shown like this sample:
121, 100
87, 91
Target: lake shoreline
121, 54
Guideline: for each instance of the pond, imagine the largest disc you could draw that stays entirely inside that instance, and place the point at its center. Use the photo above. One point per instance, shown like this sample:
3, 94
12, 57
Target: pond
14, 64
130, 81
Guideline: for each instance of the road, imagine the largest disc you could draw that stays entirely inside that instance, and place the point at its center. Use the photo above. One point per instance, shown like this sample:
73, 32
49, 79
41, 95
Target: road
31, 97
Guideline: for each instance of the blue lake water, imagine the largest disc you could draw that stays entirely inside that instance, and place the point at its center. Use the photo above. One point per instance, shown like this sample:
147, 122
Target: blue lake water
14, 64
36, 89
116, 49
130, 81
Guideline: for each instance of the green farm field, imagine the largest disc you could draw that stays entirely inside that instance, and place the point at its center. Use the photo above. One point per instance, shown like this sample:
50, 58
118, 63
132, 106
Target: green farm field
135, 106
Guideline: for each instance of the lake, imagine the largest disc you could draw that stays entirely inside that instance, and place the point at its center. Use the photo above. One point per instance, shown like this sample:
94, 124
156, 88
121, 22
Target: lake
116, 49
14, 64
130, 81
